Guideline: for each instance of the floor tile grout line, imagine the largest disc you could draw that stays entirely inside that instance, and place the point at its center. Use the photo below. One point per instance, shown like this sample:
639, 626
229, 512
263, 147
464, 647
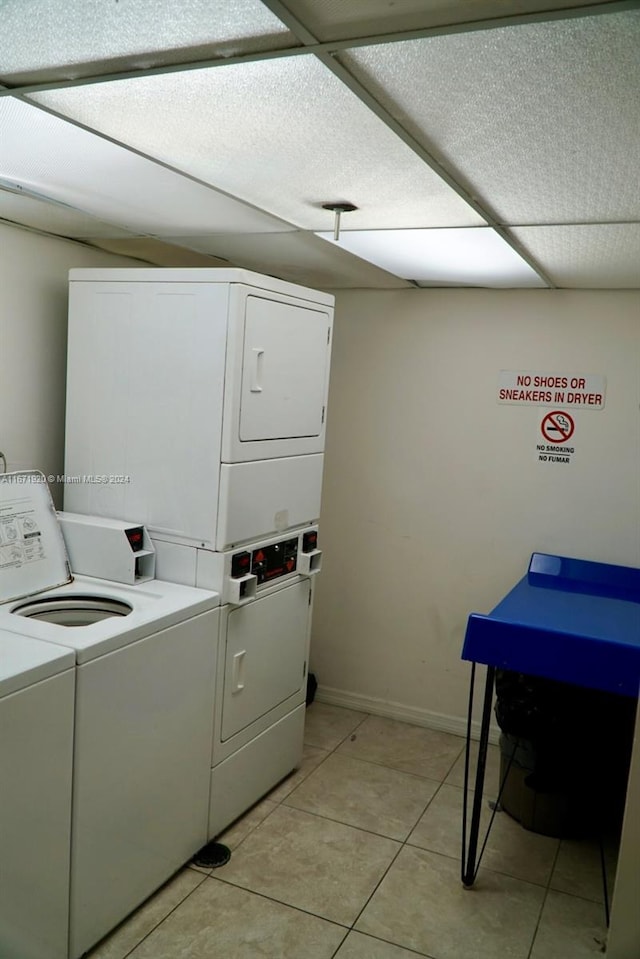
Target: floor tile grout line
281, 902
373, 762
402, 846
554, 864
538, 921
164, 918
388, 942
363, 828
455, 760
340, 944
377, 886
339, 822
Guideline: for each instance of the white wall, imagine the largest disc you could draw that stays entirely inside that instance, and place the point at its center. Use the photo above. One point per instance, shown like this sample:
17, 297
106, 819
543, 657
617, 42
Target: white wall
434, 498
33, 342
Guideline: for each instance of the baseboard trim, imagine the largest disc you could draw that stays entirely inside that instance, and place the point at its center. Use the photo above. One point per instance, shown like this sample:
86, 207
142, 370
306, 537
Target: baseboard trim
457, 725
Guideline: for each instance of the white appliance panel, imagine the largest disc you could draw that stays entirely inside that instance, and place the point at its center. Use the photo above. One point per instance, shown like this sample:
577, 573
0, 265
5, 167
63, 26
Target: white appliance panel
144, 402
263, 497
141, 782
283, 370
238, 781
36, 749
154, 605
265, 653
277, 374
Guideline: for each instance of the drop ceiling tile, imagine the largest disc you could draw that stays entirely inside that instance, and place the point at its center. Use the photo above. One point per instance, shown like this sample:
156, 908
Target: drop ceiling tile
297, 257
62, 39
588, 257
48, 156
157, 252
285, 135
468, 257
541, 121
51, 218
339, 19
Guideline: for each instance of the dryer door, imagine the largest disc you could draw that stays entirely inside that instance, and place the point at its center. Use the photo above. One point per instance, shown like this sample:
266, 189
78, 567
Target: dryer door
265, 656
283, 371
277, 376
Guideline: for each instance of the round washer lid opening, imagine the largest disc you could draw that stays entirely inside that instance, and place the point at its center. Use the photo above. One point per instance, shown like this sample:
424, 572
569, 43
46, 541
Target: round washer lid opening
73, 610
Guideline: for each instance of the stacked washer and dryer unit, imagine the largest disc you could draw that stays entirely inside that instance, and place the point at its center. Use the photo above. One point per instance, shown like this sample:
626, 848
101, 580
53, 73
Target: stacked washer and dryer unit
196, 404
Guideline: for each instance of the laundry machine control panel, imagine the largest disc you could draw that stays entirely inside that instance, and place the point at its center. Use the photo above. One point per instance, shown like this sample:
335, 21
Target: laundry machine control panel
278, 559
261, 564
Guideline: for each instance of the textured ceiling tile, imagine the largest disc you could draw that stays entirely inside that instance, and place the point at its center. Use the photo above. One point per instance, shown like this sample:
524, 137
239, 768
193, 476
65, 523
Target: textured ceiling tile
56, 160
51, 218
78, 38
600, 256
285, 135
340, 19
157, 252
297, 257
541, 121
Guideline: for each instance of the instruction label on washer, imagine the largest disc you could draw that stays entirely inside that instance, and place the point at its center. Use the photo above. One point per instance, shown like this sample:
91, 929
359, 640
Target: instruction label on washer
585, 391
20, 535
32, 552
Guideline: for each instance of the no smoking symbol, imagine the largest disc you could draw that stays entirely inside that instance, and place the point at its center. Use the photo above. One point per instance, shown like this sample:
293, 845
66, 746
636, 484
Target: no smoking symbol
557, 427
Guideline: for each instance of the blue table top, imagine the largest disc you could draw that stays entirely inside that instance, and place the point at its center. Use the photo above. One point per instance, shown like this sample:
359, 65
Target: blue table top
567, 619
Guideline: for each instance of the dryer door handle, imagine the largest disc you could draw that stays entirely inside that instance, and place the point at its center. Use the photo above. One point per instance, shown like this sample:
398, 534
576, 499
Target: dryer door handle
256, 372
237, 680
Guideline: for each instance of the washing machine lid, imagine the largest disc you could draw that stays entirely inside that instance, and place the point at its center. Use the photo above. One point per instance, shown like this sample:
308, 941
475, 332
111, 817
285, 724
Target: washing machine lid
33, 556
25, 661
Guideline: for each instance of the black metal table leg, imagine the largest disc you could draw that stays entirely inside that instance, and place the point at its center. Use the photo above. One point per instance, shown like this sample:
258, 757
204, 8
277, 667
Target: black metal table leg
469, 852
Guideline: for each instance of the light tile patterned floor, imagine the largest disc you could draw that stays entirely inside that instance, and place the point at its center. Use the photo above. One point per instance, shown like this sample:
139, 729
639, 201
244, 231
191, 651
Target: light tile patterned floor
356, 856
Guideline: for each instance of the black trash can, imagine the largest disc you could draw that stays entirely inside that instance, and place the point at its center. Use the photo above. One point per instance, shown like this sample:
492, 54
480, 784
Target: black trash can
567, 752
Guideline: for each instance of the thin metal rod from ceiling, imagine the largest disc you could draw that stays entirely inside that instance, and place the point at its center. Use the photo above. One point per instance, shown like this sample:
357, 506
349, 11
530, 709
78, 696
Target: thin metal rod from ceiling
313, 46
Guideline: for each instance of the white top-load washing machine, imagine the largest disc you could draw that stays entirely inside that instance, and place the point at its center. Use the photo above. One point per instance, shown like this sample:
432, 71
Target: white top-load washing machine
145, 667
37, 686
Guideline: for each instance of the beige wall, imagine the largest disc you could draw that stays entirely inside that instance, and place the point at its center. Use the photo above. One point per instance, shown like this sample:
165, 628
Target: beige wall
33, 338
434, 498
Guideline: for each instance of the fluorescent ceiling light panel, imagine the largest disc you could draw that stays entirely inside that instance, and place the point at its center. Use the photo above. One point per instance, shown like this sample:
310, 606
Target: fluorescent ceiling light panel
285, 135
54, 159
42, 39
464, 257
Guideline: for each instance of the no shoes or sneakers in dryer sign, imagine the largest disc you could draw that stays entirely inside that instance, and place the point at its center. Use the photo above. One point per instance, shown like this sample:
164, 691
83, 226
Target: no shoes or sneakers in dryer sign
566, 392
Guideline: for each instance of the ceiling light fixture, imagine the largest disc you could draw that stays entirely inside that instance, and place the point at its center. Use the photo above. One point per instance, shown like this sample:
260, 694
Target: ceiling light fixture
338, 209
461, 256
